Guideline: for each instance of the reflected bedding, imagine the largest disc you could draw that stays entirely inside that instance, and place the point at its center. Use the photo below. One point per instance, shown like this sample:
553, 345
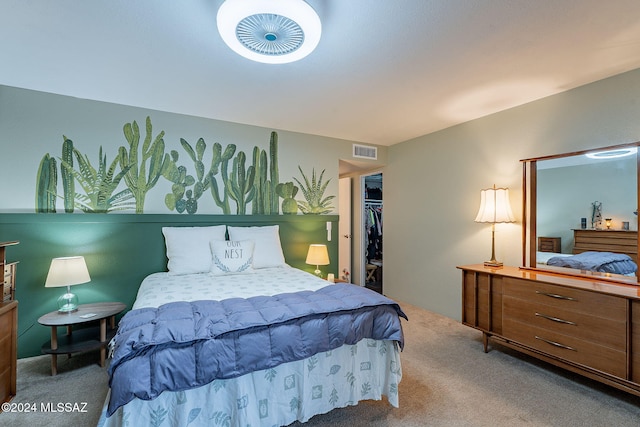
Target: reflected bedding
604, 262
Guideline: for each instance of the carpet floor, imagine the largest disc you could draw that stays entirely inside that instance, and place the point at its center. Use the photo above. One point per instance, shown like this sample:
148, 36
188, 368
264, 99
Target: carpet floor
447, 381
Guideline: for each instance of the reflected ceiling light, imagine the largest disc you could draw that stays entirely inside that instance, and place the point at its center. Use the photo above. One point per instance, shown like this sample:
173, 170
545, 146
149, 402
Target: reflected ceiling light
612, 154
273, 32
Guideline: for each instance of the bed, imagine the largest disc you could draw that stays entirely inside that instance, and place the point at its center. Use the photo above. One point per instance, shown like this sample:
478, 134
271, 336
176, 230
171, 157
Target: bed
178, 381
603, 262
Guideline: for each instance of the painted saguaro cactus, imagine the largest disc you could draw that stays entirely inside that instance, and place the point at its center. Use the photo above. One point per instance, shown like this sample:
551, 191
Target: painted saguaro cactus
222, 202
138, 179
273, 171
240, 184
46, 185
265, 201
68, 181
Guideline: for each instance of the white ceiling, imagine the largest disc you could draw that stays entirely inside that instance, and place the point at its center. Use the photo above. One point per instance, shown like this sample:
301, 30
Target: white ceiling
385, 71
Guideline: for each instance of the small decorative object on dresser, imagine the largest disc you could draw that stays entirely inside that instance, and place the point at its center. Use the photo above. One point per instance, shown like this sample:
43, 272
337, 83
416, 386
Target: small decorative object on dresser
85, 339
8, 328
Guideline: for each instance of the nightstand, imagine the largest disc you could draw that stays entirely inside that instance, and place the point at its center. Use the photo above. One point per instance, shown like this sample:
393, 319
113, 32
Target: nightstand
85, 339
550, 244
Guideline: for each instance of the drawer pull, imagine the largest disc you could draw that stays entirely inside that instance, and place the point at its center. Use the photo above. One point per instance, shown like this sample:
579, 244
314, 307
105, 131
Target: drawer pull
555, 319
555, 344
556, 296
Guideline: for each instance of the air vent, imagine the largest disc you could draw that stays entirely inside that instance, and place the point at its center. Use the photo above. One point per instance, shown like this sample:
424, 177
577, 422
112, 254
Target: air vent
365, 152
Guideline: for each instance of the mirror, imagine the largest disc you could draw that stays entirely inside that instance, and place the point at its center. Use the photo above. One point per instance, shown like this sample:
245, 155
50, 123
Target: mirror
580, 213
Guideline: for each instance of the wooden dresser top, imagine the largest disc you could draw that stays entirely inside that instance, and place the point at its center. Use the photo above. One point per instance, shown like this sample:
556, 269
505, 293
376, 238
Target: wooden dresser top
631, 290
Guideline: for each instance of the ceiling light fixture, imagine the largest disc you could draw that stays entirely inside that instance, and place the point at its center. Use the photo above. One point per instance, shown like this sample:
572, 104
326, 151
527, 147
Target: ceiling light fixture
273, 32
613, 154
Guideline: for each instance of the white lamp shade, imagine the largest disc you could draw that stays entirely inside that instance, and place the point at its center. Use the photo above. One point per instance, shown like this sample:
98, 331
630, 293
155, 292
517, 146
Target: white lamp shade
318, 255
67, 271
495, 206
268, 31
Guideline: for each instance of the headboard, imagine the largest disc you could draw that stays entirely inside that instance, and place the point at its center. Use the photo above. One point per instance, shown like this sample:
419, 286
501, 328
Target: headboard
120, 250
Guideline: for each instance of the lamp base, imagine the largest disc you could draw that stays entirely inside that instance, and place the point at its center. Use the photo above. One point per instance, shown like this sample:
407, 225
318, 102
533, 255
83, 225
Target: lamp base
493, 264
67, 303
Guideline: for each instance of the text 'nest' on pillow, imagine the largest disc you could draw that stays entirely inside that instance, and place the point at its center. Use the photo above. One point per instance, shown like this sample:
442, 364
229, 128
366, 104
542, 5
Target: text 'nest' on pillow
231, 256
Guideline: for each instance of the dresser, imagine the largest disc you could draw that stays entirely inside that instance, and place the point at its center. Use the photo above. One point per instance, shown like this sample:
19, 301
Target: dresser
8, 327
591, 327
619, 241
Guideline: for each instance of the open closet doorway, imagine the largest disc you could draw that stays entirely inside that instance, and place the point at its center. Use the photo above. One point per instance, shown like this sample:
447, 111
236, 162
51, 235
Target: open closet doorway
371, 265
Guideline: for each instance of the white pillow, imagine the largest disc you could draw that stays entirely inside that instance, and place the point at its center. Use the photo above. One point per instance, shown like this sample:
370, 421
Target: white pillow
232, 256
188, 248
268, 250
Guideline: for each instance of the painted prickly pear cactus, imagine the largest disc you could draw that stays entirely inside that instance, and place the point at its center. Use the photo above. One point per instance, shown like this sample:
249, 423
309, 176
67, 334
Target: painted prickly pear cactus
180, 182
313, 192
137, 179
288, 191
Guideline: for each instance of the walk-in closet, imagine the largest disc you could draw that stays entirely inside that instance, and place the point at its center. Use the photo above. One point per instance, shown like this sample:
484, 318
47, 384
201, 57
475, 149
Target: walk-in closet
373, 231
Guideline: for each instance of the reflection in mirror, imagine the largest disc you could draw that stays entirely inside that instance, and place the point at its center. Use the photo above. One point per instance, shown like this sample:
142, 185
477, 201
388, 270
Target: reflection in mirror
584, 214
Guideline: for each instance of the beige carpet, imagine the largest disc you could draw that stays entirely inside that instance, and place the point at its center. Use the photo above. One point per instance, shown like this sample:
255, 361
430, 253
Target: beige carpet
447, 381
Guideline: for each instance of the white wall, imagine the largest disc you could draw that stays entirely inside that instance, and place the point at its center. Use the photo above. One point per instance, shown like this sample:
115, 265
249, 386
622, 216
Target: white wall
432, 184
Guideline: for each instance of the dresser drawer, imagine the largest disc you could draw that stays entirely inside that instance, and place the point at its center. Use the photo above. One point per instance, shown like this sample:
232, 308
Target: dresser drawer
591, 303
566, 347
599, 330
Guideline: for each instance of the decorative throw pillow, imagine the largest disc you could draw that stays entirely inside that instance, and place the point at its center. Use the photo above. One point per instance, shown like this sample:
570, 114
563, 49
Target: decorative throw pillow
268, 250
232, 256
188, 248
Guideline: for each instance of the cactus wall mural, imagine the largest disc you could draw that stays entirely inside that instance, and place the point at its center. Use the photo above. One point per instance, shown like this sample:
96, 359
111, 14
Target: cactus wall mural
235, 183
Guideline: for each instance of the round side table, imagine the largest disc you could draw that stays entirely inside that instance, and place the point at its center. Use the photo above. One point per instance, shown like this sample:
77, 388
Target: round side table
85, 339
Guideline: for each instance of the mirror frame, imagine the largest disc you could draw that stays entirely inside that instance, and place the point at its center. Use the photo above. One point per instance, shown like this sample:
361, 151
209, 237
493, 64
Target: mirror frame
529, 209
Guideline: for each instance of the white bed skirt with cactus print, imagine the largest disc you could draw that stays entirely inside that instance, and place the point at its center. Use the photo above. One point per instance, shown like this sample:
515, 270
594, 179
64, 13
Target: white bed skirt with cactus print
294, 391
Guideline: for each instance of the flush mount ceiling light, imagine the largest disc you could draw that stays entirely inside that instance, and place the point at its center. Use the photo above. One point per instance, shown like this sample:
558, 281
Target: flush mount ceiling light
270, 31
613, 154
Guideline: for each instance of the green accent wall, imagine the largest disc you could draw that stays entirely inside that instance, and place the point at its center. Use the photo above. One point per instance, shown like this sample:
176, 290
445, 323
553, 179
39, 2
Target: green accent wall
120, 250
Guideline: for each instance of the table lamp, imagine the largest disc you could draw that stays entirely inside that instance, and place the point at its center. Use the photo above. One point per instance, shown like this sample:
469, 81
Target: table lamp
494, 207
67, 271
318, 255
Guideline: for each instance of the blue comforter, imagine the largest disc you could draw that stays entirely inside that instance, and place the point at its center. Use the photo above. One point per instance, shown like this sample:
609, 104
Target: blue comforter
605, 262
183, 345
